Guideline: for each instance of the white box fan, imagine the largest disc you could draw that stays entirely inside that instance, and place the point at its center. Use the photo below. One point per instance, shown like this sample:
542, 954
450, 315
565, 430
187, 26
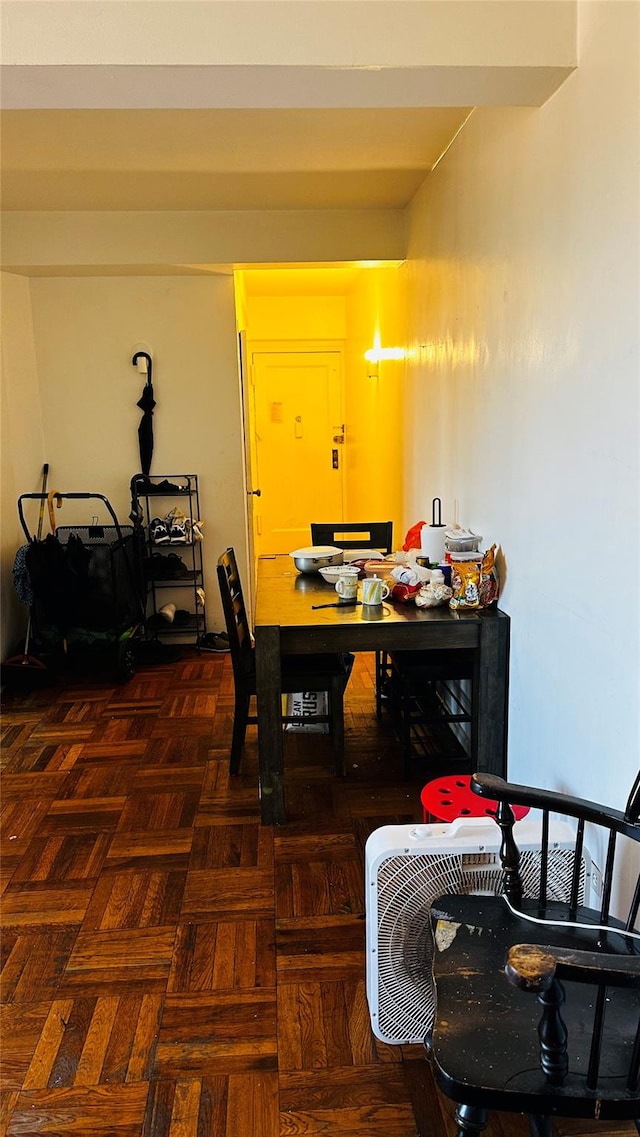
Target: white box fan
407, 868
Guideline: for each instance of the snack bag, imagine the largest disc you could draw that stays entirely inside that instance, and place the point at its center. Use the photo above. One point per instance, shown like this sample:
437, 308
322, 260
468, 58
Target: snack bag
489, 580
432, 595
465, 582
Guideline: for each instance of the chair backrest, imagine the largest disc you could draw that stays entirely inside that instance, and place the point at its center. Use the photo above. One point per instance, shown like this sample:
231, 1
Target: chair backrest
357, 535
235, 615
603, 837
598, 829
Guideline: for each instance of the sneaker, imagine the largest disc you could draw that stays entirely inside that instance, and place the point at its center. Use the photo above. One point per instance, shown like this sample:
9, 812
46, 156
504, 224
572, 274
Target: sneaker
175, 566
176, 522
178, 533
165, 487
194, 530
159, 532
213, 642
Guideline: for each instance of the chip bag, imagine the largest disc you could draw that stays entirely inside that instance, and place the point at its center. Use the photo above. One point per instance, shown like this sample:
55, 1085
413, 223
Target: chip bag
489, 580
475, 583
465, 582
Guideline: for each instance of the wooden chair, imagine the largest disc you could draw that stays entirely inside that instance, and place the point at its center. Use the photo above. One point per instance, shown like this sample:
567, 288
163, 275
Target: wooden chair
500, 1039
322, 672
374, 535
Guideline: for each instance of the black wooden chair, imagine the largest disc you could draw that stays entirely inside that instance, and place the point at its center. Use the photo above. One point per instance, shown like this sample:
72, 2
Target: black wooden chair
543, 1018
321, 672
376, 536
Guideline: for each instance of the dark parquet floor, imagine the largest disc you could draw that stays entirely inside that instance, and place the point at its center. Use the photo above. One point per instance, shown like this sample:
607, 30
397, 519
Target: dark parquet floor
170, 968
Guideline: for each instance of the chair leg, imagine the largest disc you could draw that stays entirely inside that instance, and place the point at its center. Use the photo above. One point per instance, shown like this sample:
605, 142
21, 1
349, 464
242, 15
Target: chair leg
336, 698
405, 698
240, 716
380, 677
470, 1120
540, 1126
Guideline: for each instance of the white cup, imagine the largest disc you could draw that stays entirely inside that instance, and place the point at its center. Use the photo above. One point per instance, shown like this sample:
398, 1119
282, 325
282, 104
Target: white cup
347, 584
374, 590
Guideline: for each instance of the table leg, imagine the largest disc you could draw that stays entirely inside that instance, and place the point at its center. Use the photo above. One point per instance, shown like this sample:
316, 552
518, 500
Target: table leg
270, 756
493, 693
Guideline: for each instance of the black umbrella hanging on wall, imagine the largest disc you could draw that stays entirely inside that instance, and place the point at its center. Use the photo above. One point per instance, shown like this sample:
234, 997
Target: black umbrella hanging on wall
146, 402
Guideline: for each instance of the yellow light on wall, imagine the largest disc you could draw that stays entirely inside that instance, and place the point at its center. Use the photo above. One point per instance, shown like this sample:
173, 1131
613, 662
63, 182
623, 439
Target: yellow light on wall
377, 353
374, 355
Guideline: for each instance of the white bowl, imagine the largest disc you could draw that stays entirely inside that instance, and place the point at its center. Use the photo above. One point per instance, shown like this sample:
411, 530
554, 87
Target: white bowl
331, 573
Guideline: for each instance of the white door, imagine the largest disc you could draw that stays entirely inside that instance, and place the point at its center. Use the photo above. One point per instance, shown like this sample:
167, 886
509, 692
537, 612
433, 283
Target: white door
298, 427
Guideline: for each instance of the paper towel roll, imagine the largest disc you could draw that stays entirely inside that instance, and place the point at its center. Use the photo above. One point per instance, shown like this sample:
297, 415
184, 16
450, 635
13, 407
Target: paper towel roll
432, 542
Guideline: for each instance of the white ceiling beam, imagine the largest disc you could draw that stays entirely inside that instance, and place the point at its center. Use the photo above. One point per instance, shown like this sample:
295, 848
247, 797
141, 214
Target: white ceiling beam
284, 53
40, 242
189, 88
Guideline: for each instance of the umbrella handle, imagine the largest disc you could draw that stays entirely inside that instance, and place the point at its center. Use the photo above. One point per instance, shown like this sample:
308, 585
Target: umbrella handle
149, 364
45, 475
58, 499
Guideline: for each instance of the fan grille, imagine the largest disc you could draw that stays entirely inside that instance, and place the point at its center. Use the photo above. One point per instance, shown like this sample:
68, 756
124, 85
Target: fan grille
407, 886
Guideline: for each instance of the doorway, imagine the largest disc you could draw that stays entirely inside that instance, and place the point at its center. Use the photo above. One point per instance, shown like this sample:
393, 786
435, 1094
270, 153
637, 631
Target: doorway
296, 411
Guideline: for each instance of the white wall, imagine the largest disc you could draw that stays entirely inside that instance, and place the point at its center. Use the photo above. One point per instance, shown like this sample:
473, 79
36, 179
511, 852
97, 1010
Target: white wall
23, 451
524, 285
85, 331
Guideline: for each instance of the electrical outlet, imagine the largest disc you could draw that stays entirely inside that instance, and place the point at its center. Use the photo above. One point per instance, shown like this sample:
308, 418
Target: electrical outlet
596, 880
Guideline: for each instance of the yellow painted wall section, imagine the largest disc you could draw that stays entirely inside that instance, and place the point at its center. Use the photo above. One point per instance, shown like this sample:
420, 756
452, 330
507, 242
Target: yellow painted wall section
296, 317
375, 407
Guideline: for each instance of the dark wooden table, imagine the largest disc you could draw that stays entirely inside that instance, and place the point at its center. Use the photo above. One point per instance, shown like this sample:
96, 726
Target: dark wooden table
285, 622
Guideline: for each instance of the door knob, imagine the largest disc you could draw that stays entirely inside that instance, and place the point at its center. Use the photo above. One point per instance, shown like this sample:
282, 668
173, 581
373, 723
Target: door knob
254, 493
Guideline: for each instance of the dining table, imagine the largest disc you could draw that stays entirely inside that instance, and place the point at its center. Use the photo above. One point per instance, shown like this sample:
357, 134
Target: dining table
288, 621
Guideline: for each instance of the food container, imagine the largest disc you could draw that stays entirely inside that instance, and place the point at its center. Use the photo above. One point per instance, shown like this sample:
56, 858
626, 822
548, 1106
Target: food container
458, 540
381, 568
451, 557
315, 557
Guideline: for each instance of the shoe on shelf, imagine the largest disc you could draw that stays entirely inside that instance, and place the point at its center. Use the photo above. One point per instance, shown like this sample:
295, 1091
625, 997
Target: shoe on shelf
164, 567
159, 532
211, 641
175, 566
194, 530
178, 533
165, 487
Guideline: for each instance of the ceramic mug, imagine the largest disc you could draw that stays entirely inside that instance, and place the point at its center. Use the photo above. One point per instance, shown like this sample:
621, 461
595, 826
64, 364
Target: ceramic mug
347, 584
374, 590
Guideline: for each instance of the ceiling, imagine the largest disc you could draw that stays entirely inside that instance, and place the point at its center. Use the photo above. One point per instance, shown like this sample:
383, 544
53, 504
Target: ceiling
221, 159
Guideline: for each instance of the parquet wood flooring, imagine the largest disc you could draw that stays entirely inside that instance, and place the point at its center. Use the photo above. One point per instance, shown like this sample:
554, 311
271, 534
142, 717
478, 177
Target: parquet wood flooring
171, 968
